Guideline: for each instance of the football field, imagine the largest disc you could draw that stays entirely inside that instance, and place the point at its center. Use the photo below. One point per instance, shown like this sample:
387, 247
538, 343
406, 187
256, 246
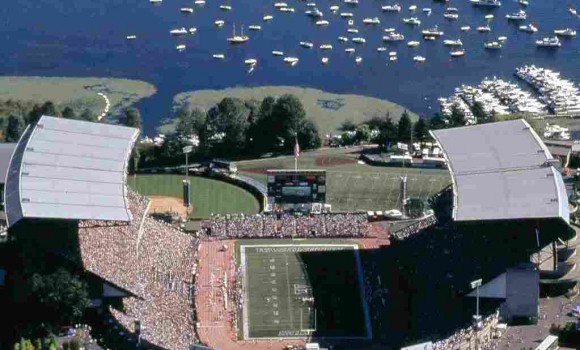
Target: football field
298, 290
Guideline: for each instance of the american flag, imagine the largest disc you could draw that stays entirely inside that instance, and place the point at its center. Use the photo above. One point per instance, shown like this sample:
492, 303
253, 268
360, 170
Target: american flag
296, 149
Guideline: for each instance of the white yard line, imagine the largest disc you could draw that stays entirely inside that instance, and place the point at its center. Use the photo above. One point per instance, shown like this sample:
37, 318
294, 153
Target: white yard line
288, 286
245, 287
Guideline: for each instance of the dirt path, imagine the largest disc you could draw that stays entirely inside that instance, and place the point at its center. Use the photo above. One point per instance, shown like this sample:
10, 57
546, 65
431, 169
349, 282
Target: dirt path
164, 204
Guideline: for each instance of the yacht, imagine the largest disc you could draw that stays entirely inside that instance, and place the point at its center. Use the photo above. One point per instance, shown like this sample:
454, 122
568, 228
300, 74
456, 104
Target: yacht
451, 15
502, 38
465, 28
413, 44
349, 50
219, 23
549, 42
484, 28
359, 40
199, 2
393, 36
523, 2
572, 10
452, 42
268, 18
180, 47
131, 37
427, 11
343, 39
530, 28
322, 22
346, 15
291, 60
306, 44
326, 47
568, 32
429, 37
278, 53
393, 58
419, 59
316, 13
280, 5
414, 21
251, 61
310, 4
324, 60
486, 3
352, 30
358, 59
238, 39
192, 30
218, 56
412, 8
286, 9
493, 45
374, 20
334, 8
186, 10
389, 30
351, 2
255, 27
432, 31
517, 16
393, 53
381, 49
392, 8
489, 16
155, 1
225, 7
180, 31
457, 52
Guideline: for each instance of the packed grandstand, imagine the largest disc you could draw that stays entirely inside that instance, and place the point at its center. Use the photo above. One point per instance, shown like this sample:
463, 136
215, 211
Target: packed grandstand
173, 290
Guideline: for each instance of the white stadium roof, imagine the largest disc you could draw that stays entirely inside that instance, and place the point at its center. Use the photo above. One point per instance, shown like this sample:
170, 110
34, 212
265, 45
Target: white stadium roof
502, 171
69, 169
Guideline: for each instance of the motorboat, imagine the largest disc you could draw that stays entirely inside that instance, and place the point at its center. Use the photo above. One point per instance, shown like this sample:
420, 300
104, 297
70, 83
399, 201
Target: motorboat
393, 58
465, 28
334, 8
155, 1
326, 47
392, 8
346, 15
393, 36
427, 10
180, 47
225, 7
219, 23
393, 53
186, 10
389, 30
520, 15
131, 37
381, 49
278, 53
349, 50
180, 31
286, 9
322, 22
486, 3
429, 37
218, 56
255, 27
414, 21
238, 39
457, 52
306, 44
523, 2
343, 39
412, 8
280, 5
373, 21
358, 59
351, 22
291, 60
251, 61
493, 45
502, 38
484, 28
572, 10
419, 59
359, 40
451, 15
452, 42
549, 42
268, 18
529, 28
324, 60
568, 32
315, 13
192, 30
413, 44
199, 2
310, 4
352, 30
489, 16
432, 31
351, 2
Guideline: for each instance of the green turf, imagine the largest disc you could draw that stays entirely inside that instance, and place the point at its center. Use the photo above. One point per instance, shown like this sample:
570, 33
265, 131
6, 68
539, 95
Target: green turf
357, 187
276, 278
207, 195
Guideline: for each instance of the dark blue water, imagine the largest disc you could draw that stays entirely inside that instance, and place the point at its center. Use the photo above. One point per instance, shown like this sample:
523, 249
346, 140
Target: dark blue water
87, 38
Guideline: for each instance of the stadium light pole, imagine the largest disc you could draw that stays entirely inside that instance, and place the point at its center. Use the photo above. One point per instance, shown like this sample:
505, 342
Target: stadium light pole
187, 150
476, 318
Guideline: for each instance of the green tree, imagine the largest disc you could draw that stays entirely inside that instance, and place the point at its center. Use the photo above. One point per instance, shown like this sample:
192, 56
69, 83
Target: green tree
132, 118
230, 118
347, 125
14, 129
308, 136
421, 130
68, 113
288, 120
363, 133
88, 115
49, 109
34, 115
478, 112
457, 117
388, 132
404, 128
437, 122
37, 344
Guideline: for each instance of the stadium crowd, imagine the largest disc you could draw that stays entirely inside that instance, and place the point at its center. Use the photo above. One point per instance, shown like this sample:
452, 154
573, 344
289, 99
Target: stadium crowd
285, 226
470, 338
414, 228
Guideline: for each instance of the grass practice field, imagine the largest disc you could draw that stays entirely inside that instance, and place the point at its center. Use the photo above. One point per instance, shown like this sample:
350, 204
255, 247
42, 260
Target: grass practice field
298, 290
78, 93
352, 186
326, 109
207, 195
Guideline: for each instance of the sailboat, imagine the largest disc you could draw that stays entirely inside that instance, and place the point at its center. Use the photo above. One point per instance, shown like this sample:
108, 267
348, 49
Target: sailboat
238, 39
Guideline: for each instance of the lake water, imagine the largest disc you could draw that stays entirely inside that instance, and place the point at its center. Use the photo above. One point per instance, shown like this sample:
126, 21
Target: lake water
87, 38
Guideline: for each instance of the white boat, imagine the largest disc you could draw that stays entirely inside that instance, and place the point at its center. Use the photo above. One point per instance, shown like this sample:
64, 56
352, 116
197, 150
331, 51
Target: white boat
381, 49
465, 28
322, 22
412, 8
432, 31
502, 38
324, 60
419, 59
279, 5
520, 15
199, 2
315, 13
255, 27
529, 28
180, 47
359, 40
393, 58
180, 31
225, 7
486, 3
523, 2
568, 32
451, 15
572, 10
413, 43
278, 53
306, 44
392, 8
393, 53
192, 30
484, 29
251, 61
358, 59
238, 39
414, 21
334, 8
268, 18
218, 56
427, 10
549, 42
349, 50
131, 37
326, 47
219, 23
374, 20
429, 37
346, 15
352, 30
493, 45
343, 39
389, 30
310, 4
186, 10
291, 60
489, 16
351, 2
286, 9
452, 42
155, 1
457, 53
394, 37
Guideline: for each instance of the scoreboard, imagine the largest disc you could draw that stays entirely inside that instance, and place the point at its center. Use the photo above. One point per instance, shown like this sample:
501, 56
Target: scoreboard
296, 186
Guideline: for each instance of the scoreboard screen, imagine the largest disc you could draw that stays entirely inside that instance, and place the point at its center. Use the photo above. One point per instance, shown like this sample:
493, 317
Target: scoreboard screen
296, 186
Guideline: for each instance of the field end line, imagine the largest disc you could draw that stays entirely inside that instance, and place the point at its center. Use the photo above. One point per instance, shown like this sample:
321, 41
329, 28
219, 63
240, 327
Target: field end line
355, 246
245, 287
288, 296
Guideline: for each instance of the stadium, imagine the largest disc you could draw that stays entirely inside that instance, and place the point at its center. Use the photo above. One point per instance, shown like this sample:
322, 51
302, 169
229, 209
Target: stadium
277, 280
